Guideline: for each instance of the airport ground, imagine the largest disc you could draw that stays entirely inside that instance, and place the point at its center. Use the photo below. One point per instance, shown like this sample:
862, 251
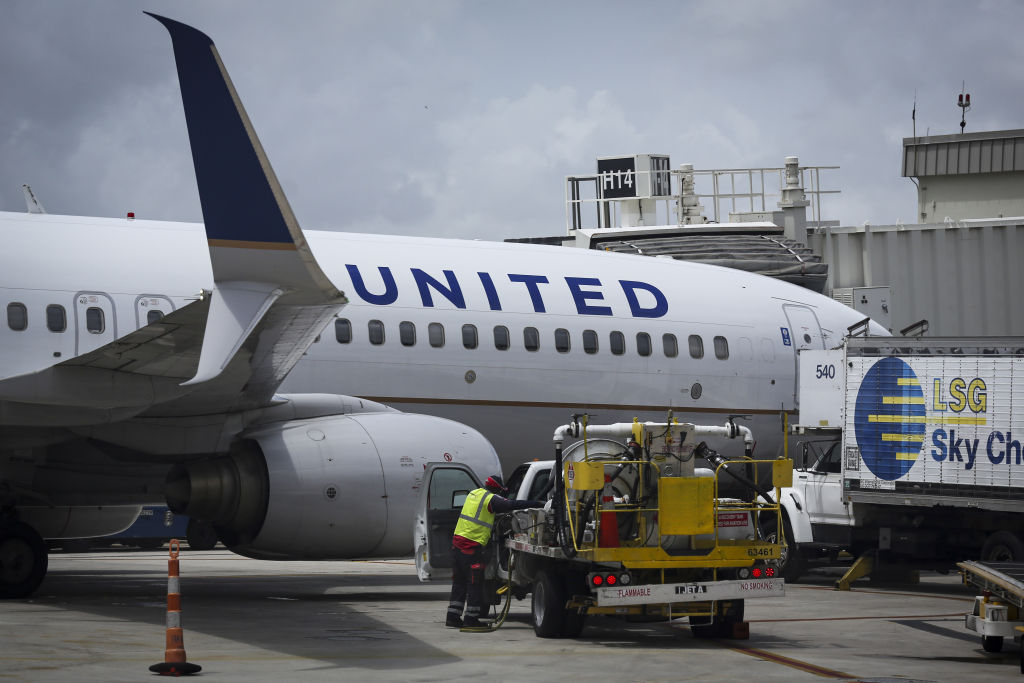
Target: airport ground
101, 617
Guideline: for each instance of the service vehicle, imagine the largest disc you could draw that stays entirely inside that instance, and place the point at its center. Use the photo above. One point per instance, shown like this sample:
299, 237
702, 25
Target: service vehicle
632, 528
925, 463
997, 612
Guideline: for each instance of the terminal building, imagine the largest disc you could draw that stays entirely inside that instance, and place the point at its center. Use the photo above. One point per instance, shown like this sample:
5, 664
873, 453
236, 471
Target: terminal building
959, 271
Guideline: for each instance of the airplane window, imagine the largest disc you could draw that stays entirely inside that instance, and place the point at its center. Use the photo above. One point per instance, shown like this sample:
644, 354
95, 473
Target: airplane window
589, 341
56, 318
95, 320
153, 316
670, 345
469, 336
617, 343
562, 340
643, 343
435, 334
721, 348
343, 330
376, 329
696, 346
17, 316
502, 339
531, 338
407, 333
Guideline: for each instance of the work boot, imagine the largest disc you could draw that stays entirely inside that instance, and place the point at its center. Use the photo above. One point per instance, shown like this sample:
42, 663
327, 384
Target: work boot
473, 622
453, 622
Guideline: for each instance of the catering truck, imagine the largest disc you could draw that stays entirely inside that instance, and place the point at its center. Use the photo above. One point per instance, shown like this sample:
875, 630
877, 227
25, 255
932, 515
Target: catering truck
633, 528
917, 446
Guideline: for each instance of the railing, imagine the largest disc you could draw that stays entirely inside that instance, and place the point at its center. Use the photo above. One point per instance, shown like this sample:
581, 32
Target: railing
731, 190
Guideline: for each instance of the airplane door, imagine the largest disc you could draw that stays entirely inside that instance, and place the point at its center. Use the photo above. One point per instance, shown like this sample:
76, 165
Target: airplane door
151, 307
95, 321
804, 332
445, 488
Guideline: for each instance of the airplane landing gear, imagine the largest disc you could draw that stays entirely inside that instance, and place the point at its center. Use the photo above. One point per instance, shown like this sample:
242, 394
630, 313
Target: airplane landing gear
23, 559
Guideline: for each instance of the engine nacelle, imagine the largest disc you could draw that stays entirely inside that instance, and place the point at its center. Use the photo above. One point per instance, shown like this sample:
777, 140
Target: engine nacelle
326, 488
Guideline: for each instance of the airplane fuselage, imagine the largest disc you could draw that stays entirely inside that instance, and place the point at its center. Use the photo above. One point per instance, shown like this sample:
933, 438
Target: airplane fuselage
509, 338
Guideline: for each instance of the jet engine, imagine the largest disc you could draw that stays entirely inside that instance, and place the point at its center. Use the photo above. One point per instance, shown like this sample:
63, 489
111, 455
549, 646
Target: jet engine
325, 488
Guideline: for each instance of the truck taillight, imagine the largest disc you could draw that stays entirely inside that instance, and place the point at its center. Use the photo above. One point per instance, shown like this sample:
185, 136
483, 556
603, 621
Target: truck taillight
763, 572
609, 579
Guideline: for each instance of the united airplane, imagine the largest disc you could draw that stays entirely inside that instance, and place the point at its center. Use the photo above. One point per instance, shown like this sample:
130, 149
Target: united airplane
244, 370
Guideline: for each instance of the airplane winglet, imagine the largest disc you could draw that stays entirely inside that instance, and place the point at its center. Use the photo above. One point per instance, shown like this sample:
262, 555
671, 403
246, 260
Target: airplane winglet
250, 227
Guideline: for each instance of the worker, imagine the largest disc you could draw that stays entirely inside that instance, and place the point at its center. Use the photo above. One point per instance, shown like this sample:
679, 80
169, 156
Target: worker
473, 531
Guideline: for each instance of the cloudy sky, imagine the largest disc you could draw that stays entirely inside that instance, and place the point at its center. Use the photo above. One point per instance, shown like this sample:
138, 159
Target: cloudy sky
461, 119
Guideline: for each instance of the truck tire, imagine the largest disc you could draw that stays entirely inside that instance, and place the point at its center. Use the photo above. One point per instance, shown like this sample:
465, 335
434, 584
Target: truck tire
792, 563
721, 625
547, 609
1002, 546
992, 643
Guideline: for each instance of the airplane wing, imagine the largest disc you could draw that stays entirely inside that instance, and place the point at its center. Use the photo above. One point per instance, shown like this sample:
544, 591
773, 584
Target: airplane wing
231, 349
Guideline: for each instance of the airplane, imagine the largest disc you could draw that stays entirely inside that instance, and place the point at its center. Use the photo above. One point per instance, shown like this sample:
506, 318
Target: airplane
143, 361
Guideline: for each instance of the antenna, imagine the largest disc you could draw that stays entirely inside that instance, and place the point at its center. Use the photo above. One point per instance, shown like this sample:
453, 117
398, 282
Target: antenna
964, 102
913, 114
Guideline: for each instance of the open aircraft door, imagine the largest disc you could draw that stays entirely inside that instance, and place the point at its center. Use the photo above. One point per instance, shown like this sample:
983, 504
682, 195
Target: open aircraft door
445, 488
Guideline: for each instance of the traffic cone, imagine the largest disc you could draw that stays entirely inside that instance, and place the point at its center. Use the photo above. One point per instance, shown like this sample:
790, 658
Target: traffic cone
174, 663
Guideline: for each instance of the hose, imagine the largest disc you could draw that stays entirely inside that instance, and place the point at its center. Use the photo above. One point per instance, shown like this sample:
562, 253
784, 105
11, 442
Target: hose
716, 458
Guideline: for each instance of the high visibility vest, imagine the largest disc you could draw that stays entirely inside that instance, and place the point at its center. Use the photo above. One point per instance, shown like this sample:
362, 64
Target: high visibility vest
476, 520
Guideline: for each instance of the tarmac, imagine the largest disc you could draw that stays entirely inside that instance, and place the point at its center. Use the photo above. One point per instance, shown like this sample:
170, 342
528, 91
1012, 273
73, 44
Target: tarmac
101, 617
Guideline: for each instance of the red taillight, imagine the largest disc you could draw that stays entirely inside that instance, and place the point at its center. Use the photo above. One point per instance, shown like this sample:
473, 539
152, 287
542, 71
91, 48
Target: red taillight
611, 580
756, 572
597, 579
769, 571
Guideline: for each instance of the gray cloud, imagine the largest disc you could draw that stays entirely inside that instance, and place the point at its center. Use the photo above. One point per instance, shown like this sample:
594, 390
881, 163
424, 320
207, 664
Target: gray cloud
462, 118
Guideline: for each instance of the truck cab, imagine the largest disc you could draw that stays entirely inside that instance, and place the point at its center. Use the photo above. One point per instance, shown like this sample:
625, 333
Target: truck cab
817, 522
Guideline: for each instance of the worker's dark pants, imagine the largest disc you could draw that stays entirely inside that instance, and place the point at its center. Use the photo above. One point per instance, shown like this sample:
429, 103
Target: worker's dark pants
467, 581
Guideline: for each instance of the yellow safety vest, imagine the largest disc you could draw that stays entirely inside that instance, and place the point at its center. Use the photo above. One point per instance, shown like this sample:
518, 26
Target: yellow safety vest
476, 520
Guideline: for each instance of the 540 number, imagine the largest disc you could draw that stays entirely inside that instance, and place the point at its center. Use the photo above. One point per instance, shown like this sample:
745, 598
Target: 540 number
822, 371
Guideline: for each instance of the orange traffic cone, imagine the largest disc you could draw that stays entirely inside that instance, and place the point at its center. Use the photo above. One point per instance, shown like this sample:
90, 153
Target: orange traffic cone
174, 663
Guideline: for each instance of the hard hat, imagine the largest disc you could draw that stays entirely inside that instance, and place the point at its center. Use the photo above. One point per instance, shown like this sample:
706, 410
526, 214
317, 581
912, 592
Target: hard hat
495, 484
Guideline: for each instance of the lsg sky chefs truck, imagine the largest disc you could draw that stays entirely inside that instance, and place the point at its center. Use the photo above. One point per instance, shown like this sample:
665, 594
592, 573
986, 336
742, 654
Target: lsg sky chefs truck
918, 454
634, 528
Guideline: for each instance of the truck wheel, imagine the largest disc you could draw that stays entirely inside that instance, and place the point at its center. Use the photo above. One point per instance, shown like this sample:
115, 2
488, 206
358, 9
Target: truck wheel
792, 562
992, 643
721, 626
1002, 546
548, 606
